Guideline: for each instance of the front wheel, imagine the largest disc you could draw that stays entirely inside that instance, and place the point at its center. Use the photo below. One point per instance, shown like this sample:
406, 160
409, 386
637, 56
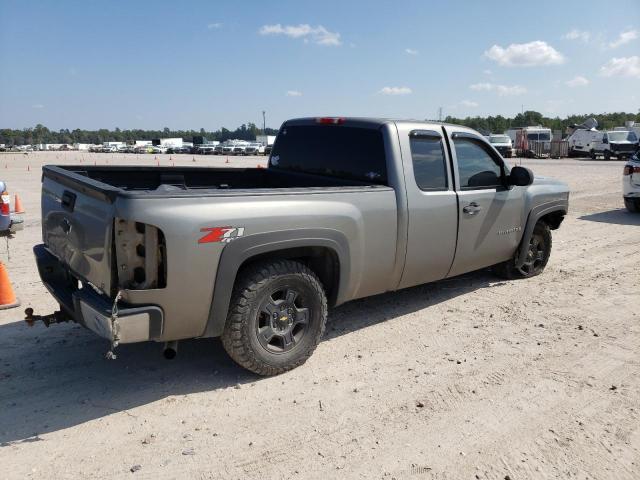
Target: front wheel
632, 204
276, 318
536, 258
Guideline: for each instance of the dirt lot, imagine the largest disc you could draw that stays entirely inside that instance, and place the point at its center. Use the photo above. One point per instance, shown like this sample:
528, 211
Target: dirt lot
472, 377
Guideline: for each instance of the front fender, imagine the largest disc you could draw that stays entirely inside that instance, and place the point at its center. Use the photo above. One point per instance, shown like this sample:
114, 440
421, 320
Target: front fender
560, 205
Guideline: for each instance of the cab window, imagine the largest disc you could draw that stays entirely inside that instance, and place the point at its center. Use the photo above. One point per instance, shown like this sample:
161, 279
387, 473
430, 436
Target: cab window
429, 167
476, 167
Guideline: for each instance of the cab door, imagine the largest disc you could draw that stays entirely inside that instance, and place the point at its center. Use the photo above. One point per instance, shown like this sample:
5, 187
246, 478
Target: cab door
491, 213
431, 198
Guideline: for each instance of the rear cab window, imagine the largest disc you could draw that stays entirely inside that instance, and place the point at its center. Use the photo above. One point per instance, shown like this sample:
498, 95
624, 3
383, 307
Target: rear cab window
355, 153
429, 164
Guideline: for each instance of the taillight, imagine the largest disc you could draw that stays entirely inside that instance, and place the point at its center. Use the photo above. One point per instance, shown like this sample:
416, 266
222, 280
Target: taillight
330, 120
630, 169
5, 207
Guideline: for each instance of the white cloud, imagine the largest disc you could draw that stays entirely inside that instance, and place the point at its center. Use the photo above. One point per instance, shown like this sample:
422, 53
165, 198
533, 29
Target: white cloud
294, 93
318, 35
214, 26
622, 67
525, 54
576, 34
577, 81
395, 91
624, 37
37, 105
411, 51
487, 72
478, 87
469, 103
502, 90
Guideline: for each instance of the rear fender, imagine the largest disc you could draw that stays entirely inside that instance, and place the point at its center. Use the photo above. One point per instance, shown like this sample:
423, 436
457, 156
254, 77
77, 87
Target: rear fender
242, 250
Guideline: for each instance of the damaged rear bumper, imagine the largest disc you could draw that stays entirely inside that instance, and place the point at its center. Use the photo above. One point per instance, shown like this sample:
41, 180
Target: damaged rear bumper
133, 323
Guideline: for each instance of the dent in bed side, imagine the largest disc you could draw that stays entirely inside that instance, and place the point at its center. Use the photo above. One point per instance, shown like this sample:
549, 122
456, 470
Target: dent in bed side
243, 250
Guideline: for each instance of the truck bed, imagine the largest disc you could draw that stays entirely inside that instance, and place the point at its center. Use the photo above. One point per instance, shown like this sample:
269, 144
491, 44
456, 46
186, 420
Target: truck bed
169, 181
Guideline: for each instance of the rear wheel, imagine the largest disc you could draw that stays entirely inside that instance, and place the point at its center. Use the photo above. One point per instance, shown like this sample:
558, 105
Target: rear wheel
593, 154
632, 204
277, 316
607, 155
536, 258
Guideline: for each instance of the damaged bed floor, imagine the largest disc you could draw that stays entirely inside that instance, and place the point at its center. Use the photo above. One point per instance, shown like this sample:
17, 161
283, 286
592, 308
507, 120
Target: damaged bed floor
472, 377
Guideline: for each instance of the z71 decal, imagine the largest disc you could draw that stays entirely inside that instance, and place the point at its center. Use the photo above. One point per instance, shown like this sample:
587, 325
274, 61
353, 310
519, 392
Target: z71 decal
221, 234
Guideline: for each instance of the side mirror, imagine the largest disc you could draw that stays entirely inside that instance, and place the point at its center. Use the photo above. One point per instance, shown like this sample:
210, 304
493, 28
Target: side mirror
520, 177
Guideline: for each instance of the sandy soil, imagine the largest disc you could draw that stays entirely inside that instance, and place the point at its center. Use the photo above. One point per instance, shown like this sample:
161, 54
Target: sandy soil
472, 377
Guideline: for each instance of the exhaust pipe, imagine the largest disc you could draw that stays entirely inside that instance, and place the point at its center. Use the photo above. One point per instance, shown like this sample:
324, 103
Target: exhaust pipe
170, 350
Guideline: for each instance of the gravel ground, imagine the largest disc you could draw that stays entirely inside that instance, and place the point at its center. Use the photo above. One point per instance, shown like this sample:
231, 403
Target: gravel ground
472, 377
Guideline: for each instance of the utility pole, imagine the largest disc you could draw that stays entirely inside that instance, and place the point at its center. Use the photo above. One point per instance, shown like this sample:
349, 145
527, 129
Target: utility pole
264, 122
439, 114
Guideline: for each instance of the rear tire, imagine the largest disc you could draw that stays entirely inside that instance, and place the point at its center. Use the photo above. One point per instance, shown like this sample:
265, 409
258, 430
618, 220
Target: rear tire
537, 256
607, 155
632, 204
277, 316
593, 154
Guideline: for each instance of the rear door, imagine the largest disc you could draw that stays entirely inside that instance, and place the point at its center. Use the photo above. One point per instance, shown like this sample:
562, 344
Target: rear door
77, 224
490, 213
433, 217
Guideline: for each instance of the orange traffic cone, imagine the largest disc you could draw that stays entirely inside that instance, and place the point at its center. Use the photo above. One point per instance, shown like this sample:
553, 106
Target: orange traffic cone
17, 205
7, 297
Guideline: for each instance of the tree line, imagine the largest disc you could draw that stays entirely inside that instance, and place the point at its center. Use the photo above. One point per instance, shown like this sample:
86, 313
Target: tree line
499, 124
248, 131
41, 134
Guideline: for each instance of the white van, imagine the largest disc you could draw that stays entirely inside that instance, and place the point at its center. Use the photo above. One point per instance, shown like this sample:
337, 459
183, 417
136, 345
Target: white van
581, 142
616, 143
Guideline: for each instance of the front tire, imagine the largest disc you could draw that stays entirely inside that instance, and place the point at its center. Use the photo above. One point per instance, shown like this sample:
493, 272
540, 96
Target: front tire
537, 257
632, 204
277, 316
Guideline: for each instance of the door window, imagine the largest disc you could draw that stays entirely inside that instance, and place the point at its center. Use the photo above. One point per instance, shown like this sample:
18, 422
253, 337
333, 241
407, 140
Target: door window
476, 167
429, 168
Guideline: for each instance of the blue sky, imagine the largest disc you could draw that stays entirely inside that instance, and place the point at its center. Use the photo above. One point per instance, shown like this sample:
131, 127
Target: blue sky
192, 64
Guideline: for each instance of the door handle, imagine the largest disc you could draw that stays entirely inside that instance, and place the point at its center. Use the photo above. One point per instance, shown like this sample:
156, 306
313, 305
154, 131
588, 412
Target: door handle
472, 209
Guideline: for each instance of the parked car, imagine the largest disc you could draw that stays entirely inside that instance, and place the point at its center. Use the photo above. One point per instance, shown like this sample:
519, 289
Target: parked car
206, 149
239, 150
227, 149
616, 143
109, 149
503, 144
218, 149
347, 208
9, 222
631, 184
254, 149
267, 149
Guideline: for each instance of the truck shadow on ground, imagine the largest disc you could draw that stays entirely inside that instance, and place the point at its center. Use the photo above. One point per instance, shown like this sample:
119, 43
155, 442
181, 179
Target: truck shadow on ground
619, 216
56, 378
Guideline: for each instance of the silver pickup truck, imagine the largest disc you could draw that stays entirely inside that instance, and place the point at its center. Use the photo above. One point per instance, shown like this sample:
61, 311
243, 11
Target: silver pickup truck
347, 208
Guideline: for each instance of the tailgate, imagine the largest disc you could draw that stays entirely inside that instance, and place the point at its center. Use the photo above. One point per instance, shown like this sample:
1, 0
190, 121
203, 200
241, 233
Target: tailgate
77, 224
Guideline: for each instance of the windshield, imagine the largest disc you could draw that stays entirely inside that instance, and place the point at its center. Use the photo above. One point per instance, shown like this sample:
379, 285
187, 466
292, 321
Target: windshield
622, 136
499, 139
540, 136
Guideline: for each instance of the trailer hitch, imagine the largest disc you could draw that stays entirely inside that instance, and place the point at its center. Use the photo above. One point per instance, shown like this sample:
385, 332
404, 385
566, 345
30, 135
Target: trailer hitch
55, 317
